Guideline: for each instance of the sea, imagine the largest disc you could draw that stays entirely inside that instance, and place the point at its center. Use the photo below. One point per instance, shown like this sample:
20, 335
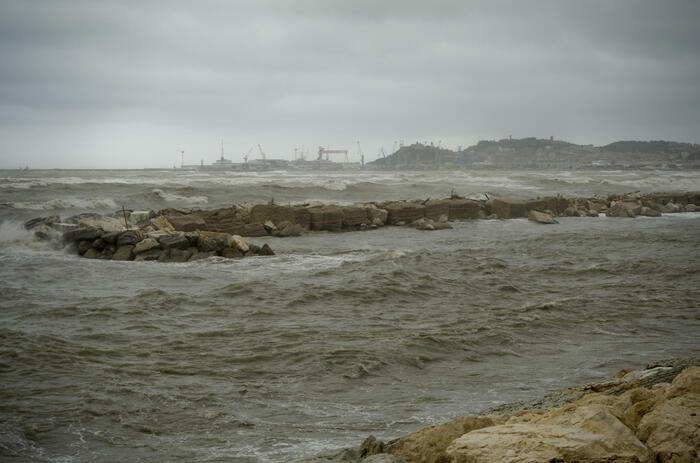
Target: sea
339, 335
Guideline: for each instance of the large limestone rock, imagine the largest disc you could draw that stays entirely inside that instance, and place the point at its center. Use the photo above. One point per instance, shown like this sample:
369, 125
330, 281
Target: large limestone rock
48, 221
145, 245
328, 218
618, 209
187, 222
81, 234
464, 209
436, 208
263, 212
108, 224
129, 237
375, 215
508, 208
403, 212
428, 445
174, 241
287, 228
162, 224
672, 429
354, 216
239, 243
540, 217
567, 434
124, 253
383, 458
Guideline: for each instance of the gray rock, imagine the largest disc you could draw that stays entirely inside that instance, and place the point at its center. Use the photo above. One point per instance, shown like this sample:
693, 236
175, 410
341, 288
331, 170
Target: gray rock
540, 217
692, 208
81, 234
265, 250
48, 221
174, 241
92, 254
203, 255
129, 237
371, 446
63, 227
231, 253
333, 456
111, 237
145, 245
124, 253
649, 212
83, 246
44, 232
207, 244
153, 254
179, 255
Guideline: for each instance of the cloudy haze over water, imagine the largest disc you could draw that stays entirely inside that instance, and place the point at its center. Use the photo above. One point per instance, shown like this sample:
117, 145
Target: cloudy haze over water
126, 84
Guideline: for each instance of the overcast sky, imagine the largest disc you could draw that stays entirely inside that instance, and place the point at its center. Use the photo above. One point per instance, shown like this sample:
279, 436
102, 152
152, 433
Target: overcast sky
126, 84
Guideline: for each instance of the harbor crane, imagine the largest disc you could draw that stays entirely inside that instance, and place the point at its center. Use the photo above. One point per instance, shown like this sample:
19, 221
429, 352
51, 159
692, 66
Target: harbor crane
263, 156
245, 158
322, 151
182, 157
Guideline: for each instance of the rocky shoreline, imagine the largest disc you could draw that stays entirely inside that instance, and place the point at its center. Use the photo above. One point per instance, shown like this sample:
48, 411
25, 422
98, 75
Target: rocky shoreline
642, 416
180, 235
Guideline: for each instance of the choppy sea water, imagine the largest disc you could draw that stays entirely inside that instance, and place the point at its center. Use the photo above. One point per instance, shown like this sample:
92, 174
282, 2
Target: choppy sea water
338, 336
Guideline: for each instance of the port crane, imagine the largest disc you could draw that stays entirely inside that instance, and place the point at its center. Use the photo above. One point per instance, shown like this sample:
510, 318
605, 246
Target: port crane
322, 151
263, 156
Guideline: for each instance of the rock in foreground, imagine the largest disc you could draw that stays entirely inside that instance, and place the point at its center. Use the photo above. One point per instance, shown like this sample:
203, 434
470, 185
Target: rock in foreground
636, 417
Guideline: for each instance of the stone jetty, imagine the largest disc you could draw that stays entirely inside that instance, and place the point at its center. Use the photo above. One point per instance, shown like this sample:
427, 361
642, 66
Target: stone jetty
639, 416
179, 235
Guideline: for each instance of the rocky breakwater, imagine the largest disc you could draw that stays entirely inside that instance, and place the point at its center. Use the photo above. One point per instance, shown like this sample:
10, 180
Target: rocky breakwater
140, 236
643, 416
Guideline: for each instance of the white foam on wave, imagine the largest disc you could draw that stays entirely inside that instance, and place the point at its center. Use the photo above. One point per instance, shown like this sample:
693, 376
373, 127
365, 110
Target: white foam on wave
64, 203
170, 197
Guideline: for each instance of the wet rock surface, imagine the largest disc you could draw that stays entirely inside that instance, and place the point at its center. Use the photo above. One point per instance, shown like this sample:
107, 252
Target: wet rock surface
643, 416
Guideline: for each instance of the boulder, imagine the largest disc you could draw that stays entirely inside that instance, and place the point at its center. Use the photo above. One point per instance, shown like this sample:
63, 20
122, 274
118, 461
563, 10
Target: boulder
618, 209
687, 382
435, 208
430, 225
671, 208
287, 228
111, 237
540, 217
333, 456
151, 254
328, 218
691, 208
558, 204
229, 253
371, 446
203, 255
108, 224
174, 241
48, 221
571, 211
568, 434
263, 212
81, 234
140, 216
63, 227
302, 217
508, 208
269, 226
178, 255
249, 229
403, 212
187, 222
129, 237
465, 209
145, 245
44, 232
83, 246
93, 254
124, 253
239, 243
354, 216
672, 429
376, 215
649, 212
162, 223
212, 244
428, 445
265, 250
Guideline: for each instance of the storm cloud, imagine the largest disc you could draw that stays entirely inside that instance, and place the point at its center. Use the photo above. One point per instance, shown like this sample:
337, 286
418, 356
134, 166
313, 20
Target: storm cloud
126, 84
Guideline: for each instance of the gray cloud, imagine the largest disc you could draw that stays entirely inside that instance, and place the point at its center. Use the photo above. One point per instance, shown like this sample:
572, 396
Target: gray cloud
126, 83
